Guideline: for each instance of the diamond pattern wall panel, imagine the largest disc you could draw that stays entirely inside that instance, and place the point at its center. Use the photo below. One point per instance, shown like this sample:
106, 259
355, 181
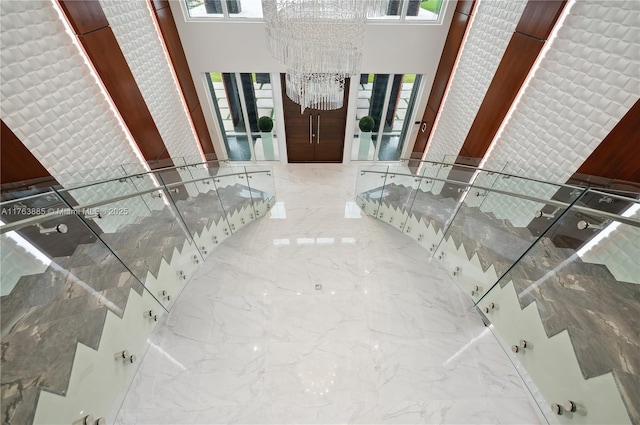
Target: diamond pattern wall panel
489, 35
518, 211
134, 28
49, 97
585, 84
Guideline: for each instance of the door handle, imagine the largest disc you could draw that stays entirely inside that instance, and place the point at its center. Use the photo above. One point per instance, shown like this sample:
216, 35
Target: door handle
318, 129
310, 129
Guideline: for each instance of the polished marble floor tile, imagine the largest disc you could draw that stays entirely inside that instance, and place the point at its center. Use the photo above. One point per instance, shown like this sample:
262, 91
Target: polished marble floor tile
320, 314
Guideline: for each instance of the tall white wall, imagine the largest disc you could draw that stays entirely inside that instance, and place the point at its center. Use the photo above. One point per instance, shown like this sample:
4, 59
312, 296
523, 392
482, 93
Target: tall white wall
134, 28
493, 25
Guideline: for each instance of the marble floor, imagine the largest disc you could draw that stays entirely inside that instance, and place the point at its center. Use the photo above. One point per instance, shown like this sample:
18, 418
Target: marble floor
320, 314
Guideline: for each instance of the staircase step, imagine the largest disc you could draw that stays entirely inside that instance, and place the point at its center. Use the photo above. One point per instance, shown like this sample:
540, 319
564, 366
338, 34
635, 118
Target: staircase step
42, 358
584, 299
113, 298
48, 314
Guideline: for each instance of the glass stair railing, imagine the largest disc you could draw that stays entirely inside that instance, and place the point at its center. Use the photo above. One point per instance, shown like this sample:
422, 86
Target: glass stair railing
88, 270
552, 268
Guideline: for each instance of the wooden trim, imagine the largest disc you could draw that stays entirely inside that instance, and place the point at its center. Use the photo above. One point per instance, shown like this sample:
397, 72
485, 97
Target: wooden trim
464, 6
618, 155
514, 67
203, 133
535, 25
84, 15
100, 44
539, 18
169, 33
450, 52
159, 4
17, 163
107, 58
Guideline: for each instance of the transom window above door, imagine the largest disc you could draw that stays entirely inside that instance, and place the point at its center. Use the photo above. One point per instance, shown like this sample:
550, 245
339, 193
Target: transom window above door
396, 10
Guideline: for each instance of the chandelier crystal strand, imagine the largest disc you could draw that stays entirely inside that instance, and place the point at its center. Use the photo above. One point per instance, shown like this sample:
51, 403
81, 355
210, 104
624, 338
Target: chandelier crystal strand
320, 44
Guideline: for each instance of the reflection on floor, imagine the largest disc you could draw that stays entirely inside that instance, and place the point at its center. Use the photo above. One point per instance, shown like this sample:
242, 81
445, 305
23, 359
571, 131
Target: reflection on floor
364, 150
320, 314
238, 148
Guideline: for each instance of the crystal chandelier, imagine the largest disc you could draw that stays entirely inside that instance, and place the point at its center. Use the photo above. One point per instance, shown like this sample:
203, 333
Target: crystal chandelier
320, 44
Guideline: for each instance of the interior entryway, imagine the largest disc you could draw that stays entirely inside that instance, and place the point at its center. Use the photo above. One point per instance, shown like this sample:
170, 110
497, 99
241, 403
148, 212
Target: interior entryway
314, 135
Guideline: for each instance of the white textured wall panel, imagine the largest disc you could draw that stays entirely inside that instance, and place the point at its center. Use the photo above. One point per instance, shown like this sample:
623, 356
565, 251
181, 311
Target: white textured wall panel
50, 99
585, 84
489, 35
53, 104
133, 26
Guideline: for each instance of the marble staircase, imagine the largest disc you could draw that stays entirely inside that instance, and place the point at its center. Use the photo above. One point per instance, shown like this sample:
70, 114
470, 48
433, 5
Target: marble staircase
600, 314
47, 315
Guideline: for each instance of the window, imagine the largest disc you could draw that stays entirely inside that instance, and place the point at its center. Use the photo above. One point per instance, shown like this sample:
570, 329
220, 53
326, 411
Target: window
413, 10
396, 10
225, 8
240, 100
389, 99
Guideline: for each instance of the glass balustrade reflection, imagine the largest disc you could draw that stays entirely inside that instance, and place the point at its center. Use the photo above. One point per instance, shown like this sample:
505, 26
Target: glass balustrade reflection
60, 286
199, 206
236, 197
398, 196
262, 188
370, 187
484, 239
139, 222
569, 309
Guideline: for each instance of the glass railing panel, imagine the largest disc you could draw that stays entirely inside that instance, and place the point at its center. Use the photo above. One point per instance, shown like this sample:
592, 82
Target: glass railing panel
84, 177
262, 188
573, 299
16, 190
482, 243
145, 231
521, 212
197, 203
443, 173
182, 190
60, 285
476, 197
430, 211
370, 187
400, 190
235, 196
464, 169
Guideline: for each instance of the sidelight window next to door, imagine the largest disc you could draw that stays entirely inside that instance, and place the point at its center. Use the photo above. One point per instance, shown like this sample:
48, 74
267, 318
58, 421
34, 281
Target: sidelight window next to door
242, 101
390, 100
